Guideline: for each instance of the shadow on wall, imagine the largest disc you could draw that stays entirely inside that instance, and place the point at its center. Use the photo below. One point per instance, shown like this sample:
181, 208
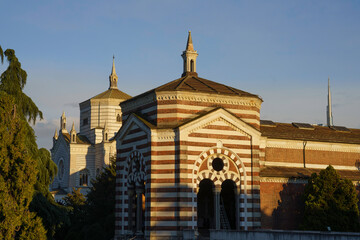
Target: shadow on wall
288, 213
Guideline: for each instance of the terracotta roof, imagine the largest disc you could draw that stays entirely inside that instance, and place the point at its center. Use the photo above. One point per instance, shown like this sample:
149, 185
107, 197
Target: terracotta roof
288, 172
192, 83
318, 133
79, 138
112, 93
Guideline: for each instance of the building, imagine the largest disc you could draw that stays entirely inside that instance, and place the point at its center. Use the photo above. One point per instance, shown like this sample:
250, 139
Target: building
193, 154
81, 156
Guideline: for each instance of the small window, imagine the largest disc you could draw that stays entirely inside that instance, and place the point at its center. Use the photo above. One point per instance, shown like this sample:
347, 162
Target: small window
118, 118
106, 137
84, 177
85, 121
73, 137
192, 66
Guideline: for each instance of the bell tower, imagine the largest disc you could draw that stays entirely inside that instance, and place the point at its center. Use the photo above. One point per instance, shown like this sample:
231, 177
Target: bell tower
113, 78
189, 56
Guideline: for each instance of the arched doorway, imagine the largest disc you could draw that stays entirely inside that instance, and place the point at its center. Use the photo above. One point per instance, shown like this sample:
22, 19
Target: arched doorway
205, 205
228, 205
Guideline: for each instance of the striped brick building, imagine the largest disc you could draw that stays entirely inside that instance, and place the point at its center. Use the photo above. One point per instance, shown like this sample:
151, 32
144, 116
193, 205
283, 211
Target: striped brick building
193, 155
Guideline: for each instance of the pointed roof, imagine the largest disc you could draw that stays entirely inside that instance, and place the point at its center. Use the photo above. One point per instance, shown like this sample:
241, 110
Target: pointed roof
113, 71
189, 45
193, 83
73, 127
63, 114
112, 93
56, 134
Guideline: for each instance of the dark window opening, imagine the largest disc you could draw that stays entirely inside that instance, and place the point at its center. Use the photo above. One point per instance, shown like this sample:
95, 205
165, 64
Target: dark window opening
192, 66
218, 164
118, 118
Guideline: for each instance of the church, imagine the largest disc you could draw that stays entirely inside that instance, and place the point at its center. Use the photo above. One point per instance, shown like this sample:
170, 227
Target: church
81, 156
193, 155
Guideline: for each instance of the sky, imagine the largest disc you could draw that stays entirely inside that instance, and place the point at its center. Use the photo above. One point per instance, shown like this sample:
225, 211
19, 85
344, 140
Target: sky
283, 51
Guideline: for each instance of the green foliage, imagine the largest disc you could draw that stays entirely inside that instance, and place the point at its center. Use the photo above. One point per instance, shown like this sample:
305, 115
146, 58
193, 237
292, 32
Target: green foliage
1, 55
93, 218
17, 178
13, 80
43, 169
330, 201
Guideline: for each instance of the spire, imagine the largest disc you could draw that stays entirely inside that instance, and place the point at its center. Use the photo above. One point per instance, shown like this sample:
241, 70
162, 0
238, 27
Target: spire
113, 71
56, 134
189, 56
63, 123
329, 116
73, 134
189, 45
113, 78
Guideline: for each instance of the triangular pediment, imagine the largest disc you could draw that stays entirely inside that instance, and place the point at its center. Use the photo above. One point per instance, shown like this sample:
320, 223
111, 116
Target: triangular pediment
225, 117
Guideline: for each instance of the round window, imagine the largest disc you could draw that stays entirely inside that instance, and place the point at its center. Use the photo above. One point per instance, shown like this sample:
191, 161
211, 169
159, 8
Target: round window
218, 164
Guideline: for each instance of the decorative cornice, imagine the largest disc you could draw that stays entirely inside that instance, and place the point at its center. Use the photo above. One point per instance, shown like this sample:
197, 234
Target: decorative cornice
316, 146
208, 98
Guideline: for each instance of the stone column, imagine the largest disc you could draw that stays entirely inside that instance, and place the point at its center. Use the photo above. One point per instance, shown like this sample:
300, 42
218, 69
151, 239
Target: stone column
217, 191
130, 210
139, 192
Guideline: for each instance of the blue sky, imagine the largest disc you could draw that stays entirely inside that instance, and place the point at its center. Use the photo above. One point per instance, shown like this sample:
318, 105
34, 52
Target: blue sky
283, 51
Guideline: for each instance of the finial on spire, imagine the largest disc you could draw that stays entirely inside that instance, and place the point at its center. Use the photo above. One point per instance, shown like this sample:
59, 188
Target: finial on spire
56, 134
113, 78
73, 134
63, 123
189, 45
189, 56
329, 116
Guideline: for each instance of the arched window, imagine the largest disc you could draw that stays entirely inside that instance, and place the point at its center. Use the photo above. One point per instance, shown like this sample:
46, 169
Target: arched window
106, 136
61, 169
192, 66
84, 177
73, 137
118, 118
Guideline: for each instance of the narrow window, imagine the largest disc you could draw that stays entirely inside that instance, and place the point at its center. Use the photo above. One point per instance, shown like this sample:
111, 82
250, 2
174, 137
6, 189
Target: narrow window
192, 66
106, 136
118, 118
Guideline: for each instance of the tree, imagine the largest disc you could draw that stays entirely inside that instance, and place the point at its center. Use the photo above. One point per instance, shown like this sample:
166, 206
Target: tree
93, 218
17, 178
75, 203
13, 80
330, 202
100, 206
53, 214
1, 55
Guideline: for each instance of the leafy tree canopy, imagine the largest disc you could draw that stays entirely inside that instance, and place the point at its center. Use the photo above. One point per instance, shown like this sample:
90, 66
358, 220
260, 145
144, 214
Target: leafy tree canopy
93, 218
17, 178
13, 80
330, 202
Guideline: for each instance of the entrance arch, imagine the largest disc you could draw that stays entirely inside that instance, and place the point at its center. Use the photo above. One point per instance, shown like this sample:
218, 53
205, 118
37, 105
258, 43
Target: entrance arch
220, 164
